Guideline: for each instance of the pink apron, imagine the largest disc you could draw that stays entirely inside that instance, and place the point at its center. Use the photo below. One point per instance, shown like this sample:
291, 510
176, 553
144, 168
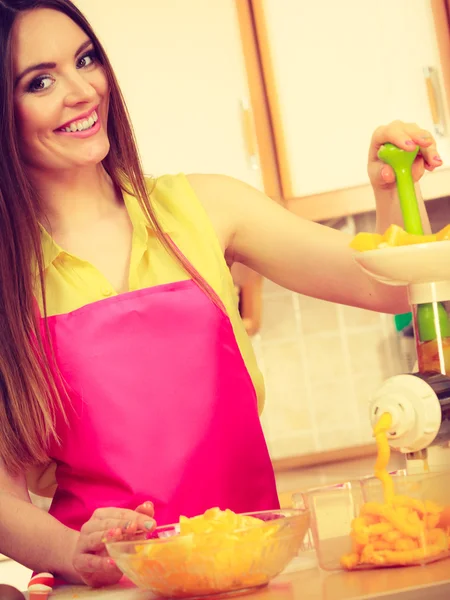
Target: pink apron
163, 409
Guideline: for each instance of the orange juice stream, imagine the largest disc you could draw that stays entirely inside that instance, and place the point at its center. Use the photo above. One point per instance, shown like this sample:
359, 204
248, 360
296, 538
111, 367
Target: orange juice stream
384, 454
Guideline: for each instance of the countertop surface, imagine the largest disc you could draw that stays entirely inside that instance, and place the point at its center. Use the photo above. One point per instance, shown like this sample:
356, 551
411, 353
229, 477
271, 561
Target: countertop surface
414, 583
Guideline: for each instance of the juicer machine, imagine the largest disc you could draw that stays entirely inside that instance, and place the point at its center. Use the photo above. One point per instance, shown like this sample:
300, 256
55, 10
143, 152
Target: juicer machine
419, 402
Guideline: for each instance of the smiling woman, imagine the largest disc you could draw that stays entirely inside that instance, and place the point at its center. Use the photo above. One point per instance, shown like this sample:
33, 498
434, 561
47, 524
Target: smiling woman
65, 135
50, 96
127, 381
55, 92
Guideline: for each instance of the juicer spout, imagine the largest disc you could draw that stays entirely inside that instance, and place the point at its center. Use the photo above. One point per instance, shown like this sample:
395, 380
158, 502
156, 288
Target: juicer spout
415, 411
419, 405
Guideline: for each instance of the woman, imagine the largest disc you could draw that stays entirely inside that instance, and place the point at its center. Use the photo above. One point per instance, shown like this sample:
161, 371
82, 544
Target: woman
123, 360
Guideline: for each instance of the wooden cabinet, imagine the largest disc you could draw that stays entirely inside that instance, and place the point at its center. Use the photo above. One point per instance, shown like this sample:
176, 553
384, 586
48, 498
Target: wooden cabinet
283, 94
334, 71
181, 69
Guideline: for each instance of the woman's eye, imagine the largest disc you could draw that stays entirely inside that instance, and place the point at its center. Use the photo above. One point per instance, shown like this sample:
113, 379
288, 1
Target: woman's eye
87, 60
40, 83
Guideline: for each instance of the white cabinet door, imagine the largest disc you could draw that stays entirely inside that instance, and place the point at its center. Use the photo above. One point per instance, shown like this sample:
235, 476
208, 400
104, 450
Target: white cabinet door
181, 68
340, 70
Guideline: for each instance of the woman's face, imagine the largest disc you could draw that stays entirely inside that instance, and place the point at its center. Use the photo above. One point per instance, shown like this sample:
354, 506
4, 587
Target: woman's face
61, 93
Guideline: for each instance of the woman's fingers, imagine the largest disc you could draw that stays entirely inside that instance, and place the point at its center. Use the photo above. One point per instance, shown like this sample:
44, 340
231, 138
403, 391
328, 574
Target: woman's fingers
146, 508
105, 520
406, 136
93, 563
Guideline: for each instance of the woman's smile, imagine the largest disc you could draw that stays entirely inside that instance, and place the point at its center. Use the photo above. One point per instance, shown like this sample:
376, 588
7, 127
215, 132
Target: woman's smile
61, 93
84, 126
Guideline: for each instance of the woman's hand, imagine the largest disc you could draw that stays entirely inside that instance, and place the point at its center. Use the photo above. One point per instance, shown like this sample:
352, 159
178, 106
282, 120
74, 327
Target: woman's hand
406, 136
90, 559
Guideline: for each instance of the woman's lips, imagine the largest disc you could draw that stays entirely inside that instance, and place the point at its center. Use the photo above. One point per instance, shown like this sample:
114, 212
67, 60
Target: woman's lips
85, 133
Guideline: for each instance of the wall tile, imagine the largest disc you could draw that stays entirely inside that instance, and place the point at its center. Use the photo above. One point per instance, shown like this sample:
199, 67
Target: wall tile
318, 316
343, 437
325, 357
279, 320
296, 445
335, 405
284, 370
320, 362
356, 318
290, 415
367, 352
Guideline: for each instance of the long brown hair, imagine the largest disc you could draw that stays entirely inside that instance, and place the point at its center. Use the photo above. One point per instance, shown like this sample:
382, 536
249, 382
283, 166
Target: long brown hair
28, 390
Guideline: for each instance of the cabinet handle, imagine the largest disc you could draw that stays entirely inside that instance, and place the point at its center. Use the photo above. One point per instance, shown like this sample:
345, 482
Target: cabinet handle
435, 99
250, 134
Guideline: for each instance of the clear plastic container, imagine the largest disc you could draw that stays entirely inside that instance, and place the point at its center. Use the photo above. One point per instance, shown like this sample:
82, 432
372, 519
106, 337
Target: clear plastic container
431, 322
333, 509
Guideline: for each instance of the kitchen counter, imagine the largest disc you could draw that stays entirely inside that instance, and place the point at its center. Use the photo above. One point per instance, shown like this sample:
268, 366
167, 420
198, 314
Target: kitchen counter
414, 583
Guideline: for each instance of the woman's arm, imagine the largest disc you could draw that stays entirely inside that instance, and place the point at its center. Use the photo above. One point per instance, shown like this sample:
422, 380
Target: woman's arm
37, 540
304, 256
30, 535
295, 253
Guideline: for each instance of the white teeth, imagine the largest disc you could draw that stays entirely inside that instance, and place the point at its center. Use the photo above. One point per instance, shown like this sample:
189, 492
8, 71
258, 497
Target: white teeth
81, 125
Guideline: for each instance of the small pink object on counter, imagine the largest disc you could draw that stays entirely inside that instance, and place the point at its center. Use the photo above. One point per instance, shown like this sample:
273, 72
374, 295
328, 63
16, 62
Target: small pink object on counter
40, 586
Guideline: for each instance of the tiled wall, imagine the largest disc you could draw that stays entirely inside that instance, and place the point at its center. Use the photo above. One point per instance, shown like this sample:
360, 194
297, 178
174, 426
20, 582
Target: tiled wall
321, 363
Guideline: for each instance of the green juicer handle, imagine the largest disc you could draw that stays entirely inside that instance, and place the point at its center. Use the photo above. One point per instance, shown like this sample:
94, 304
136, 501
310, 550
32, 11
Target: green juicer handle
401, 162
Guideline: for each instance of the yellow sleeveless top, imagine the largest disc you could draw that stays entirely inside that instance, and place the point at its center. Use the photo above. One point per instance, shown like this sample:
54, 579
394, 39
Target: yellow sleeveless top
71, 283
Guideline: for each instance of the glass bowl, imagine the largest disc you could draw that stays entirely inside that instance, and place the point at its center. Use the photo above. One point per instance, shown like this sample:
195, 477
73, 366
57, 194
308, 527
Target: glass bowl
197, 565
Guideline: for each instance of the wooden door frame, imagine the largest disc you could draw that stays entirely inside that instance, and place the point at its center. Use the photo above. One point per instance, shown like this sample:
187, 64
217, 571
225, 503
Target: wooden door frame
250, 292
267, 147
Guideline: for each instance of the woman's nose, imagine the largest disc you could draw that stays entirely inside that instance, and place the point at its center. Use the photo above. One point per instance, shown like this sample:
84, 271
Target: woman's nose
79, 91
